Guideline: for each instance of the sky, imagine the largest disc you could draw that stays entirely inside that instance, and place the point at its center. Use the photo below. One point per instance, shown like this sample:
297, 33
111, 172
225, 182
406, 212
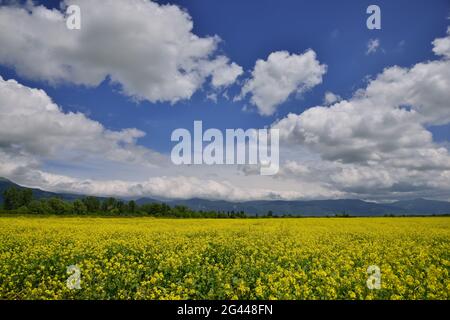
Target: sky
362, 113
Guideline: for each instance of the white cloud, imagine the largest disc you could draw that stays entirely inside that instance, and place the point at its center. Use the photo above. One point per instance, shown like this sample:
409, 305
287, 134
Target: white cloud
378, 141
331, 98
375, 145
154, 56
36, 136
372, 182
23, 171
372, 46
172, 187
282, 74
425, 88
441, 46
31, 124
212, 97
223, 73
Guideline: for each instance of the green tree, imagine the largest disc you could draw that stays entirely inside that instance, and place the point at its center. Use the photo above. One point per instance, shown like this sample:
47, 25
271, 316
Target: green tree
92, 204
132, 206
14, 198
38, 207
121, 207
23, 210
59, 207
10, 198
26, 197
79, 207
109, 204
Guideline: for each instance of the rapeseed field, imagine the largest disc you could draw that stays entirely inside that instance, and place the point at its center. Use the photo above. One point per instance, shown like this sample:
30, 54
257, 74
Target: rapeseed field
146, 258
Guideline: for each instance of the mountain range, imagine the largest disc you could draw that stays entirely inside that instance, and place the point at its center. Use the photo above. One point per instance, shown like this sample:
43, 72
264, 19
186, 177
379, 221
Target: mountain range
351, 207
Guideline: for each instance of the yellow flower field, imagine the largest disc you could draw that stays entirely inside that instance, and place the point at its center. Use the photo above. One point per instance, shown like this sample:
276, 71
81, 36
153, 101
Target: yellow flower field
146, 258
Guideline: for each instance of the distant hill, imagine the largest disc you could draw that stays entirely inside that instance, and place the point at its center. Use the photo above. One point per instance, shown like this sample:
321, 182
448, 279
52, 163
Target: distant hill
349, 207
37, 193
423, 206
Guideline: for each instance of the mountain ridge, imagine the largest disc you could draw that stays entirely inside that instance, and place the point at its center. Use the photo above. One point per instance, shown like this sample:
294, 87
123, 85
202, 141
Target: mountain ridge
350, 207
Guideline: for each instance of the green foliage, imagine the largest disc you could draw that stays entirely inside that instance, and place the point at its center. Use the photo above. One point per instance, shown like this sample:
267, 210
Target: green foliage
21, 201
92, 204
38, 207
59, 207
132, 206
14, 198
79, 207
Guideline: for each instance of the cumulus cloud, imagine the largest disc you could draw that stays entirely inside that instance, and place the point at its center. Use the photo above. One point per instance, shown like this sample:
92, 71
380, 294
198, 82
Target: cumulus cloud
223, 73
21, 169
34, 132
374, 181
154, 56
282, 74
378, 139
375, 145
331, 98
32, 124
441, 46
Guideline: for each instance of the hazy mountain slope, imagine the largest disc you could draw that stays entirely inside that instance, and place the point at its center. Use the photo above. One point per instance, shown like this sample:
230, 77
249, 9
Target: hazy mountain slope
350, 207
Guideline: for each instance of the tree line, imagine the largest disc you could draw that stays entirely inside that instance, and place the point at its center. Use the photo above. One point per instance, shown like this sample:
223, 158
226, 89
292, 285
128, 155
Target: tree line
21, 201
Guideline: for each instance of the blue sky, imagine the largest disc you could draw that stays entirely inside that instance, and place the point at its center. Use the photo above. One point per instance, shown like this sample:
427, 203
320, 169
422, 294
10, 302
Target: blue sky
252, 30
